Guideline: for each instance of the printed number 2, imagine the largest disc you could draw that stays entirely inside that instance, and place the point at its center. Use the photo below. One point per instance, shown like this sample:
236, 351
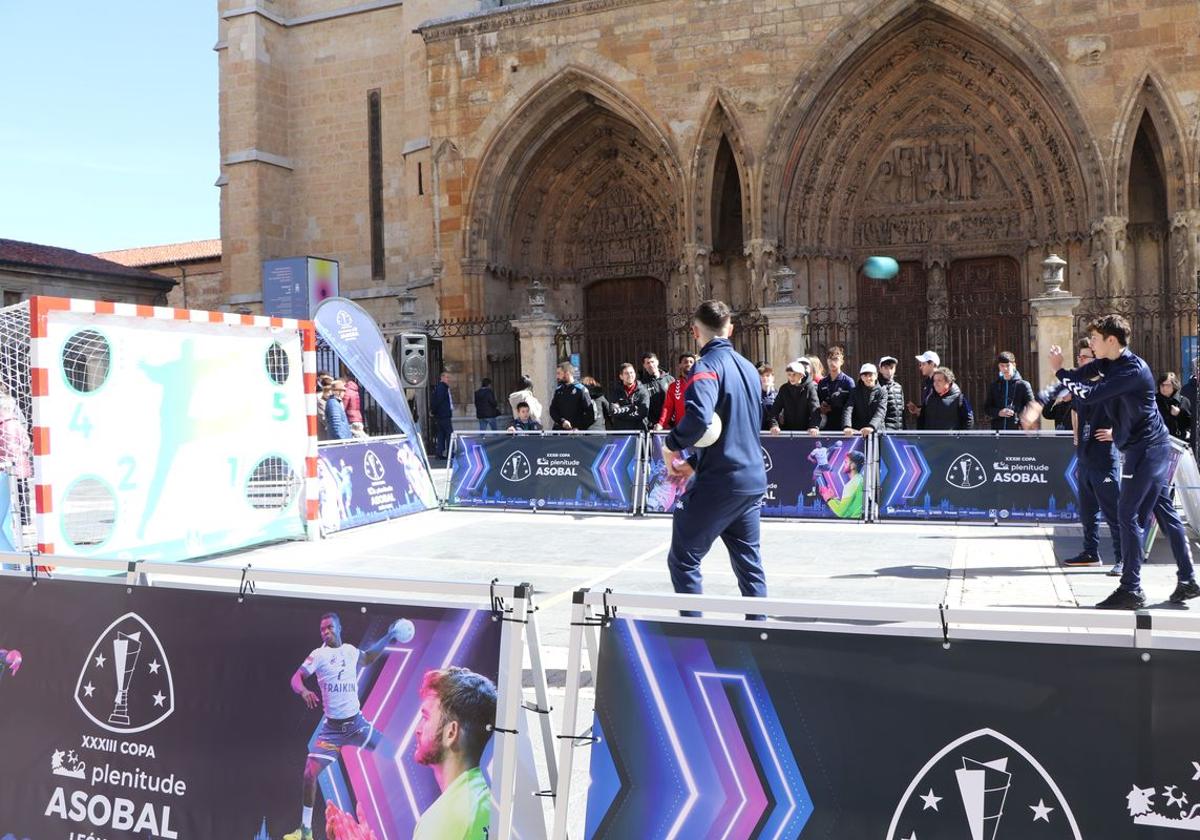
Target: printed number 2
281, 409
128, 464
80, 423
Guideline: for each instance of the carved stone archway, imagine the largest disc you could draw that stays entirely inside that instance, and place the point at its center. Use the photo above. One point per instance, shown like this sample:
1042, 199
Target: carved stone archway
577, 185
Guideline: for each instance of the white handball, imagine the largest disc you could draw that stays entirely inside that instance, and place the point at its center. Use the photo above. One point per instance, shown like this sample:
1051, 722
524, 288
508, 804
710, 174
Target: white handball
403, 630
710, 434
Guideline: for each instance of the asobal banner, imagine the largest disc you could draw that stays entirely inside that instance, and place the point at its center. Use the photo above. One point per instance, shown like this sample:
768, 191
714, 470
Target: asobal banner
807, 477
354, 336
184, 715
1016, 477
717, 733
365, 481
555, 471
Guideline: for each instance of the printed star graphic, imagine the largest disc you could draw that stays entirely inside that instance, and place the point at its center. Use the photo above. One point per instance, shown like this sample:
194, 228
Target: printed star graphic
154, 666
159, 698
56, 759
931, 801
100, 661
1196, 778
1040, 811
89, 689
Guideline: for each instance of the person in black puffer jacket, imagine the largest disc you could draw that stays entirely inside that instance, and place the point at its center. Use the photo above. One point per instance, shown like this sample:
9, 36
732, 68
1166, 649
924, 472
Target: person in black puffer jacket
865, 410
797, 406
1174, 407
629, 403
893, 418
947, 408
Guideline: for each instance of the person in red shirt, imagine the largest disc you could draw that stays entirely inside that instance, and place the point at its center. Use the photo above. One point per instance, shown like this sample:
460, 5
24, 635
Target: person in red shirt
673, 406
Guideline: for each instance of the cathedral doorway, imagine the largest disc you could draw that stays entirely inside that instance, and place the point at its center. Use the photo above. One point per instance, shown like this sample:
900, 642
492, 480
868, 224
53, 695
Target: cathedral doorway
623, 318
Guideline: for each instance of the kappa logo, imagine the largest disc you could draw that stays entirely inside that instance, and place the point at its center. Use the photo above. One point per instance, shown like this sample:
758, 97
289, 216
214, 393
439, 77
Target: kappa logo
372, 466
993, 785
516, 467
766, 456
125, 685
966, 473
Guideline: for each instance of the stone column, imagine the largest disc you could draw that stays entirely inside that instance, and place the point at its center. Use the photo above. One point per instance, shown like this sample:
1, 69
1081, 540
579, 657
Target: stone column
538, 357
787, 322
1054, 317
1108, 255
760, 260
937, 300
1185, 250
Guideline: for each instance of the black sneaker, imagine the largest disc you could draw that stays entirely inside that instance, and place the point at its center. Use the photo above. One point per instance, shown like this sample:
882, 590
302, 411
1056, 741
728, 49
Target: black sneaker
1082, 559
1123, 599
1117, 570
1185, 591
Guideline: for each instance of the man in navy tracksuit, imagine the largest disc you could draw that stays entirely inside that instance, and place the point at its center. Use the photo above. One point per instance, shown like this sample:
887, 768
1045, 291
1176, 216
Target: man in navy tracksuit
1126, 389
1098, 474
726, 494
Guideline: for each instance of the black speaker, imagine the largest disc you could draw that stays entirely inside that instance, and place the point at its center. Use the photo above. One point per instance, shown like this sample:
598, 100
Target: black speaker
414, 359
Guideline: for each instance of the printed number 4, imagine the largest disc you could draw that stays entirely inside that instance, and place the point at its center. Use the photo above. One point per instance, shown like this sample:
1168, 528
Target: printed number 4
80, 423
281, 408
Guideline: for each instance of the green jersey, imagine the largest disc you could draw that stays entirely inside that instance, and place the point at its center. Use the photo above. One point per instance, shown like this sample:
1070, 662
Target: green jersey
462, 812
849, 506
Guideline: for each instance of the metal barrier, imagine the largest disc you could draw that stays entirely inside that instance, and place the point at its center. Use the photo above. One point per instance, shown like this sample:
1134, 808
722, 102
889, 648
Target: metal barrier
451, 622
824, 717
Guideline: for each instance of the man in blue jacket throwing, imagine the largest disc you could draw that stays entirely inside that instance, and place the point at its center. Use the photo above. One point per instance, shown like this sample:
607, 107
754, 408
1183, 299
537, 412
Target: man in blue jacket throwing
1126, 388
725, 497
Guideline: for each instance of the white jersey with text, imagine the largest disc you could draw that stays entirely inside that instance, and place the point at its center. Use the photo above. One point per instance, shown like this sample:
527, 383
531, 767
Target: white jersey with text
337, 674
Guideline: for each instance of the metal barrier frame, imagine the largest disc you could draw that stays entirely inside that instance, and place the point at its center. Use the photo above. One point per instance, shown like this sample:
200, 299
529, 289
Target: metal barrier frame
511, 604
1143, 631
638, 478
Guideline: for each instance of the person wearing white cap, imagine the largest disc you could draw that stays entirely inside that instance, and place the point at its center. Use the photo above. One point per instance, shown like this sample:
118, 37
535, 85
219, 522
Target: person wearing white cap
927, 363
865, 410
797, 406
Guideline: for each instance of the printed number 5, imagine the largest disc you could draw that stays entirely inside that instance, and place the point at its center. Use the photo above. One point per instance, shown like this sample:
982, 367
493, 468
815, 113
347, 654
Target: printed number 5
281, 408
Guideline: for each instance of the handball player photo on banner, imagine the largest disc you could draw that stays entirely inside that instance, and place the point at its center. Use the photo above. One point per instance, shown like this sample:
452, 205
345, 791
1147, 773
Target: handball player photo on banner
730, 733
807, 477
171, 713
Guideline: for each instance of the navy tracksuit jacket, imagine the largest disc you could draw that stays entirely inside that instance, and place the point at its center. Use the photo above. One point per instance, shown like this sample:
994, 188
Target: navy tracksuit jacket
1098, 474
1127, 390
726, 493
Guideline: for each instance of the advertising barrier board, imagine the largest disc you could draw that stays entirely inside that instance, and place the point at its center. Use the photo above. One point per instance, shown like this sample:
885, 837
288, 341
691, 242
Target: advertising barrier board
730, 733
372, 480
545, 470
187, 715
978, 477
807, 477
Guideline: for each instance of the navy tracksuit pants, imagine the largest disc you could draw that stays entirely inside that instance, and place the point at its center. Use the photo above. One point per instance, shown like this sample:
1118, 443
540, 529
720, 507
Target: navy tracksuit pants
702, 517
1098, 496
1144, 493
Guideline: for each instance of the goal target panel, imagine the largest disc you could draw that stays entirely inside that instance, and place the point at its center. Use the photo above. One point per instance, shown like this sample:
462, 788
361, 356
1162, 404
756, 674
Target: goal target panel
166, 434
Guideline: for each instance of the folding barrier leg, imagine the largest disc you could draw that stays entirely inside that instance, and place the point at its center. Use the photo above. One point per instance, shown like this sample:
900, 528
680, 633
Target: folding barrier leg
542, 694
569, 740
512, 660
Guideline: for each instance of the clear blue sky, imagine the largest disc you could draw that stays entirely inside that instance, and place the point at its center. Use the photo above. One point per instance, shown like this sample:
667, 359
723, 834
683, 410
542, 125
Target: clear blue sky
108, 123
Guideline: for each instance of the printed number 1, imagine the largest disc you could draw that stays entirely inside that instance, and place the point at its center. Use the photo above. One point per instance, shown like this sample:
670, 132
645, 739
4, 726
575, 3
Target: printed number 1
281, 408
80, 423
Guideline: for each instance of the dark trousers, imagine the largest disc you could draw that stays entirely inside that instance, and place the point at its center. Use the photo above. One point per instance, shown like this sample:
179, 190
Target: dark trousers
702, 517
445, 427
1099, 495
1145, 493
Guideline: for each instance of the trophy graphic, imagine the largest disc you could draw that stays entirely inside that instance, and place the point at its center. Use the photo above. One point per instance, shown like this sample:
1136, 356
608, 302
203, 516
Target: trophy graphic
126, 648
984, 787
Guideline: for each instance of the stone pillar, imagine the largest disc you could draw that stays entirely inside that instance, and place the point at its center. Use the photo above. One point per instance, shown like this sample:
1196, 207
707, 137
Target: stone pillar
937, 300
1054, 317
787, 322
760, 261
538, 357
1108, 255
1185, 251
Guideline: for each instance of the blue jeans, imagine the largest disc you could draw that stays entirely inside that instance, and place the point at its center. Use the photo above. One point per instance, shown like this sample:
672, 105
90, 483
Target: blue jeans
487, 424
